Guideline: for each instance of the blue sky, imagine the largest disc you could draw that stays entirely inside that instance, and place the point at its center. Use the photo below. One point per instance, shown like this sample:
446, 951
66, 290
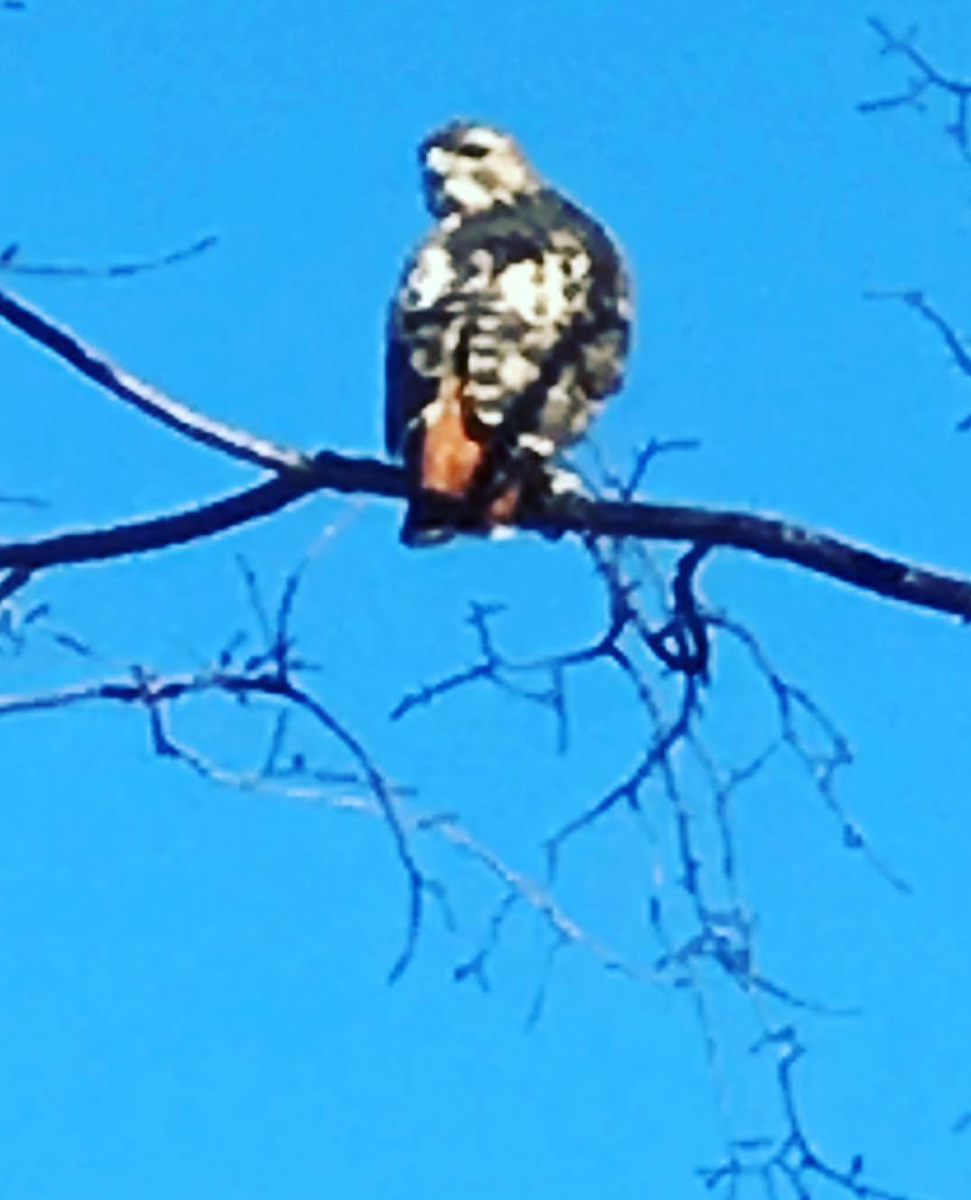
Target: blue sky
192, 980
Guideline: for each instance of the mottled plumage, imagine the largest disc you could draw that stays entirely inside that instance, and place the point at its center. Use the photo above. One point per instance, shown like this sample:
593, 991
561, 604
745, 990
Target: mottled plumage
510, 324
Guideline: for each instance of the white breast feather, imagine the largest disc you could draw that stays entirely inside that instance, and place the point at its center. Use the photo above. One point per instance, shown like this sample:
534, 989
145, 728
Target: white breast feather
516, 372
431, 277
537, 292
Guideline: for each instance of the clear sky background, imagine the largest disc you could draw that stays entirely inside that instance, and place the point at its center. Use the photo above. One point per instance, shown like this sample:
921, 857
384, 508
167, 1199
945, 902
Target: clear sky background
193, 995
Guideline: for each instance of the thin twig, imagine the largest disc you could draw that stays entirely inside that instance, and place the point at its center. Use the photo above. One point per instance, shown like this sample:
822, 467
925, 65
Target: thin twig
10, 265
927, 79
956, 345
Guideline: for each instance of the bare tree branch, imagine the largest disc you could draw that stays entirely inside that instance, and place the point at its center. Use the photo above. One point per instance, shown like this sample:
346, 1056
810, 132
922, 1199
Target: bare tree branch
24, 501
927, 80
721, 935
956, 345
157, 694
791, 1159
100, 370
680, 642
330, 471
10, 264
821, 765
13, 581
769, 537
299, 474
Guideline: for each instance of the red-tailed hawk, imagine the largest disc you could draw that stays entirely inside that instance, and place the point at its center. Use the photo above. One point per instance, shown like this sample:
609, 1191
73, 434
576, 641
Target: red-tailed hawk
510, 325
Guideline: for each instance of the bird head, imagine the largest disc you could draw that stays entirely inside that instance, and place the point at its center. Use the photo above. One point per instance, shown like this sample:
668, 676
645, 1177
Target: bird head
468, 168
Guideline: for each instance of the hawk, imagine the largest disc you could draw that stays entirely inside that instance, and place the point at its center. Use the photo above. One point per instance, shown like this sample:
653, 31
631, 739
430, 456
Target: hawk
510, 325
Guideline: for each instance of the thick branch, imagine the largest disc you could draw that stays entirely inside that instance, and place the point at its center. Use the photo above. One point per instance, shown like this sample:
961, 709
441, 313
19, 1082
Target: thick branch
773, 537
299, 475
326, 471
769, 537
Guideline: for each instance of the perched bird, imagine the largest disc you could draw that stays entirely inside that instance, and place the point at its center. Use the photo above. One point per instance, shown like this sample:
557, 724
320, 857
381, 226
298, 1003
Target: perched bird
510, 324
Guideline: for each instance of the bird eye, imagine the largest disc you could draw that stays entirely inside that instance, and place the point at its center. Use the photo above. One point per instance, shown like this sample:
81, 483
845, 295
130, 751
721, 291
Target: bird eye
471, 150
